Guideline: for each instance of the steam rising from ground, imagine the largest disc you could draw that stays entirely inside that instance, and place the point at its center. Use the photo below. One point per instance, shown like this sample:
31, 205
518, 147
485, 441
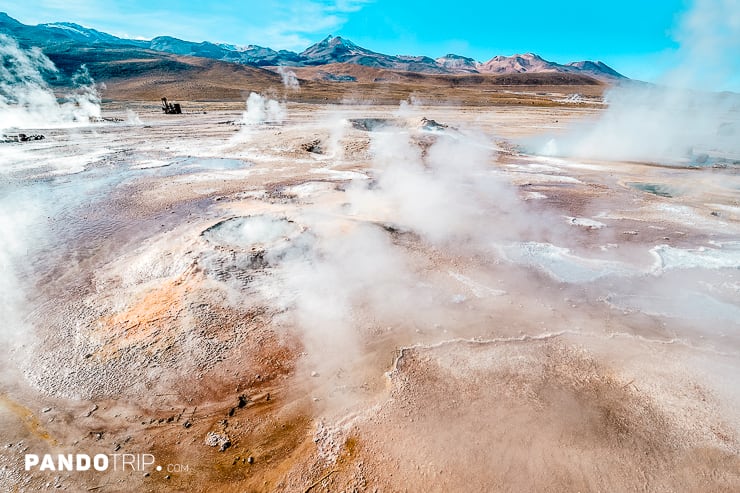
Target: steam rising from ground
449, 194
261, 109
132, 118
353, 274
674, 122
440, 190
19, 216
409, 253
350, 271
431, 235
27, 101
290, 79
657, 124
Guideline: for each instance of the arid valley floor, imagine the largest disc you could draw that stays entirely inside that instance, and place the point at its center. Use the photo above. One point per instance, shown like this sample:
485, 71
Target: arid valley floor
353, 297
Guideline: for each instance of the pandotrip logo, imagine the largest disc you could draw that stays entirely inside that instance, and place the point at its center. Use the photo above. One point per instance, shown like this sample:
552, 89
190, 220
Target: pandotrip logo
98, 462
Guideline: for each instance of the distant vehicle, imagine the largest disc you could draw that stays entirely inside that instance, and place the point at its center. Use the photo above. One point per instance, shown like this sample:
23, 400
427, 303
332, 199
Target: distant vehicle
171, 108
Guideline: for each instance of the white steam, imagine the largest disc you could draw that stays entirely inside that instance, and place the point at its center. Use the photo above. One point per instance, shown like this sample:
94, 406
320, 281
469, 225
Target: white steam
27, 101
677, 121
19, 222
262, 110
353, 278
709, 37
657, 124
290, 79
351, 270
132, 118
449, 194
337, 130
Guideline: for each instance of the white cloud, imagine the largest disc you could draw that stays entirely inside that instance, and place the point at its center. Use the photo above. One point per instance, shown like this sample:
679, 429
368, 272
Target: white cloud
347, 5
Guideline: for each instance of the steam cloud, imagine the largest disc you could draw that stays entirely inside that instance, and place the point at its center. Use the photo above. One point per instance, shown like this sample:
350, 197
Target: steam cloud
262, 110
349, 270
19, 216
27, 101
445, 192
290, 80
677, 121
132, 118
353, 272
657, 124
444, 195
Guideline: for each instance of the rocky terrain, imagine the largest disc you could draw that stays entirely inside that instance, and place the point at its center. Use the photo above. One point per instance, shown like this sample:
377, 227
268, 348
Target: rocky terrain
366, 298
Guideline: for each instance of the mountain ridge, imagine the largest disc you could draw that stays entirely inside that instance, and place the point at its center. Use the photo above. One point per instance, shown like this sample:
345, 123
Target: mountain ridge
330, 50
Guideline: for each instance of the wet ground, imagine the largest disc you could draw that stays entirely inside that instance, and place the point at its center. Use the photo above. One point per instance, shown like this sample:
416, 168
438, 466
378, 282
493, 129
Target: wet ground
356, 300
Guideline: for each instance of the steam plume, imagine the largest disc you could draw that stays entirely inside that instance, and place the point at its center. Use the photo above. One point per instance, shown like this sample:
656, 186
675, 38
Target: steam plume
27, 101
262, 110
677, 121
290, 80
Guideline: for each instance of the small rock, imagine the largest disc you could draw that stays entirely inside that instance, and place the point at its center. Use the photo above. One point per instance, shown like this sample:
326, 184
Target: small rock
427, 124
187, 424
167, 477
146, 474
20, 137
220, 440
243, 399
46, 410
250, 459
314, 374
314, 147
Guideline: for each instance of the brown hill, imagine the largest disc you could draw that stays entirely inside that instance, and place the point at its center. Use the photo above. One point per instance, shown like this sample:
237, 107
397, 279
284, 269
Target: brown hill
141, 74
361, 73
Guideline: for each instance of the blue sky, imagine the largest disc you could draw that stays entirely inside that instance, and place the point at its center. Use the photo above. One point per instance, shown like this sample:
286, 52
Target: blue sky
636, 37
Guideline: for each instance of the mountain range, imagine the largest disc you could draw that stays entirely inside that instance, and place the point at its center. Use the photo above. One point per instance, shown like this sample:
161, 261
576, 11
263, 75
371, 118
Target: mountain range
64, 36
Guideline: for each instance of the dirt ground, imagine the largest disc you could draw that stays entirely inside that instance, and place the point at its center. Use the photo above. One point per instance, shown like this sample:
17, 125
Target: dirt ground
268, 308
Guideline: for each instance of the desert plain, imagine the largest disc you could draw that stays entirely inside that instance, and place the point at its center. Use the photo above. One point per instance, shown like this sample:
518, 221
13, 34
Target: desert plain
361, 295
